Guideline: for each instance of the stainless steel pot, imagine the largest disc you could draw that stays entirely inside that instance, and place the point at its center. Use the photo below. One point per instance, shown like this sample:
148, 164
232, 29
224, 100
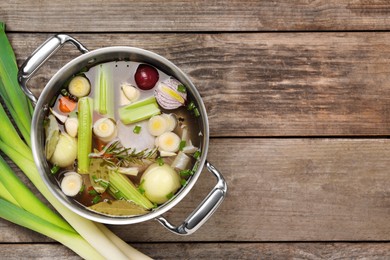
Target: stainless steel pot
89, 59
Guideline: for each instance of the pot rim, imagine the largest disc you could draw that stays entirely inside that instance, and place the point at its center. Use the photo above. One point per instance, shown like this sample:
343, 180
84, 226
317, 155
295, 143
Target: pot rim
42, 107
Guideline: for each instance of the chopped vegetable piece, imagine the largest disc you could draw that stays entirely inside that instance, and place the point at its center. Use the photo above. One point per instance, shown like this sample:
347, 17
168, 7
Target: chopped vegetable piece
183, 182
105, 129
60, 117
185, 173
167, 154
169, 142
196, 155
71, 126
160, 161
84, 134
137, 129
139, 111
181, 161
66, 105
65, 152
168, 96
54, 169
181, 88
157, 125
96, 199
121, 183
133, 171
130, 92
79, 86
71, 184
146, 76
158, 181
182, 145
171, 121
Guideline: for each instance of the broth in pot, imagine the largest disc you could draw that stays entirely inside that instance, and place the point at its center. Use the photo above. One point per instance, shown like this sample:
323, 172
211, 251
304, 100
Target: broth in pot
122, 138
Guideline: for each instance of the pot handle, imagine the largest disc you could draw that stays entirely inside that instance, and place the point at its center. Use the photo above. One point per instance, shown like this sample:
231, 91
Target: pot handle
40, 56
204, 210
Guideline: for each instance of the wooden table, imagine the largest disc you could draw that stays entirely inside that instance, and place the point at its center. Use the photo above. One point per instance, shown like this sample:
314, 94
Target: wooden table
298, 98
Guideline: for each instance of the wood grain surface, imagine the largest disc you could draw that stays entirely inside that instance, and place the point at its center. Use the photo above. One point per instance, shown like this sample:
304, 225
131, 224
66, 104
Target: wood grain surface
188, 15
328, 251
266, 84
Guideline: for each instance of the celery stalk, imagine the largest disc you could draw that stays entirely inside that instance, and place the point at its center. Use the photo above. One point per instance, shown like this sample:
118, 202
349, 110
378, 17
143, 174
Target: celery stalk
127, 188
84, 144
139, 111
104, 93
26, 219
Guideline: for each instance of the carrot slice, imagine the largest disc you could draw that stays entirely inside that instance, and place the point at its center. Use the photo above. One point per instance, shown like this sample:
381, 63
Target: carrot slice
66, 105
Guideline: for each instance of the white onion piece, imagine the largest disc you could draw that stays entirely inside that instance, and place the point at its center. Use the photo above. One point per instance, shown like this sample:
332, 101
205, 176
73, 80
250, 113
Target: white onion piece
71, 126
65, 152
169, 142
131, 92
167, 94
166, 154
60, 117
105, 129
181, 161
133, 171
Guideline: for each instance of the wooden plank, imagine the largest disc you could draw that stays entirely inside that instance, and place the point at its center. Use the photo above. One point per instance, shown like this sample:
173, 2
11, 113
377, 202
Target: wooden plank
266, 84
187, 15
217, 251
281, 190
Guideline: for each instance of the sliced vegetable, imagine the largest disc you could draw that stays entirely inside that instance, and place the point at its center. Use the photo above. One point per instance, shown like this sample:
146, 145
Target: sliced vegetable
139, 111
71, 126
169, 142
181, 161
168, 96
160, 181
84, 134
122, 184
166, 154
105, 129
146, 76
104, 95
157, 125
52, 136
66, 105
79, 86
71, 184
130, 92
133, 171
137, 129
65, 151
60, 117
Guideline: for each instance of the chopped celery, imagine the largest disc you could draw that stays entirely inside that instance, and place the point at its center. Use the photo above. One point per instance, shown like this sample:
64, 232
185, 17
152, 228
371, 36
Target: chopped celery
121, 183
104, 98
139, 111
84, 144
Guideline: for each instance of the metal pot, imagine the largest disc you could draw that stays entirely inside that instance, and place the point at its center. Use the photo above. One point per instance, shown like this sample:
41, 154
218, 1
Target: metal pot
89, 59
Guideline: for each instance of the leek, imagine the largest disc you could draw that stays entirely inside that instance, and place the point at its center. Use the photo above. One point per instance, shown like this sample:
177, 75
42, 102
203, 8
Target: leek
10, 91
87, 239
84, 144
139, 111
